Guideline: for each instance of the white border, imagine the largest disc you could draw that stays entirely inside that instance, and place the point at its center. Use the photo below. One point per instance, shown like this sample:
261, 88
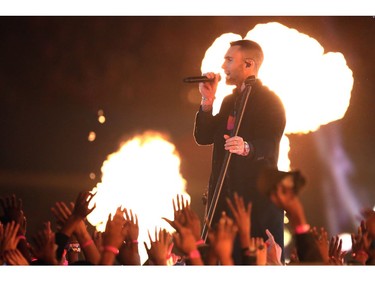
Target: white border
187, 8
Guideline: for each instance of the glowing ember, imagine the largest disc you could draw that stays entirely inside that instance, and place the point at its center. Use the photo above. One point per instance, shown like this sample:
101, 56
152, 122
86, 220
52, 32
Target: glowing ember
101, 117
92, 176
143, 175
91, 137
314, 87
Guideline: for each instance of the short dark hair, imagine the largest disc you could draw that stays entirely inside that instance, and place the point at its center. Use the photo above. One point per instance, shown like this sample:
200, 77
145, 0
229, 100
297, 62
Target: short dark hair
252, 46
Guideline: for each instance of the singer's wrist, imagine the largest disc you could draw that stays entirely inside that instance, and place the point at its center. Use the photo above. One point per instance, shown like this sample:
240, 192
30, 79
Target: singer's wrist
205, 99
206, 107
207, 103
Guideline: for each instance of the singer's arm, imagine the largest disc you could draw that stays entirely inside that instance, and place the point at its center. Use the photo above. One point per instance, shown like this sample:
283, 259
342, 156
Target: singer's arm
208, 90
207, 104
204, 127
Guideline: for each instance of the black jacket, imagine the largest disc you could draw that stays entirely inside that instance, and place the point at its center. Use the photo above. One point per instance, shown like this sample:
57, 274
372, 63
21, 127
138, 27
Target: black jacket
262, 126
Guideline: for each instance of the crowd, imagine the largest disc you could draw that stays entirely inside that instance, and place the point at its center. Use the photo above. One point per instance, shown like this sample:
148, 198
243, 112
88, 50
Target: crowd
71, 243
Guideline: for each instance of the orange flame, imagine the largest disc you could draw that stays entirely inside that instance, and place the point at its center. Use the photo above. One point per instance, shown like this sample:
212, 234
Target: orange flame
143, 175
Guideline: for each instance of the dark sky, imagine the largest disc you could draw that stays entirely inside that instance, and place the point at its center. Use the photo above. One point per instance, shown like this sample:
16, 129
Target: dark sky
57, 72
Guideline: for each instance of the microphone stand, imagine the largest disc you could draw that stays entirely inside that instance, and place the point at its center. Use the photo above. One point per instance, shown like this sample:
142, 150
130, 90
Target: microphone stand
212, 208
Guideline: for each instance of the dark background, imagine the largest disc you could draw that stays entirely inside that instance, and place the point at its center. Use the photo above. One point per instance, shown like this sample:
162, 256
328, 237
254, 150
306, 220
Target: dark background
57, 72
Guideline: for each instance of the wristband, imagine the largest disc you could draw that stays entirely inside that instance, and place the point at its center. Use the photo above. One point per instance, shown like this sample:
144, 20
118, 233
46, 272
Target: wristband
87, 243
21, 237
360, 253
195, 254
131, 242
303, 228
111, 249
207, 99
199, 242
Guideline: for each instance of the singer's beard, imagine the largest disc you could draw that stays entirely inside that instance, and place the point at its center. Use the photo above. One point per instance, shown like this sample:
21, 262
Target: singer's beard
230, 81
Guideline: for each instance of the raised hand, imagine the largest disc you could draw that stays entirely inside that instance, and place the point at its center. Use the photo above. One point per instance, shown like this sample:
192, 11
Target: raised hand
261, 250
359, 244
222, 239
14, 257
129, 251
81, 207
62, 213
159, 248
10, 238
321, 240
178, 206
186, 242
12, 209
113, 237
335, 254
45, 248
115, 232
242, 217
131, 224
186, 217
274, 250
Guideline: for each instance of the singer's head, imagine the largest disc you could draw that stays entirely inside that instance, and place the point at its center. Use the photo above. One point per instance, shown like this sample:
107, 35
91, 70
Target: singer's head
243, 59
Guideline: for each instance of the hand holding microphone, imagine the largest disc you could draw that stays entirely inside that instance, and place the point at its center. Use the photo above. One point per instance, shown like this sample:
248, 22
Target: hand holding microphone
207, 88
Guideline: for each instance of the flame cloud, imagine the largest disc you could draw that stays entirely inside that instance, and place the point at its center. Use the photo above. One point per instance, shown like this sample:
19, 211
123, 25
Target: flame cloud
144, 176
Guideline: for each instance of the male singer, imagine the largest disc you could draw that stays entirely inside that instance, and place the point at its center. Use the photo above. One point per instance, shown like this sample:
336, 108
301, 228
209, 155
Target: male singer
255, 146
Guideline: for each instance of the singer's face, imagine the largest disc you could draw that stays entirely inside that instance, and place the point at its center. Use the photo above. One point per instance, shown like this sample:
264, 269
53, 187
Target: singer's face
234, 66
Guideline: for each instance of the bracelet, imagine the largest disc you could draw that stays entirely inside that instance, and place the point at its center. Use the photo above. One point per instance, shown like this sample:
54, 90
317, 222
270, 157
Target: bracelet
199, 242
303, 228
131, 242
360, 253
246, 149
21, 237
195, 254
204, 99
111, 249
87, 243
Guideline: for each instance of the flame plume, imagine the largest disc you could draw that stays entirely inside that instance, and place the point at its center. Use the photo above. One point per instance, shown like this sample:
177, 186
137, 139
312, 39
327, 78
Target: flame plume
143, 175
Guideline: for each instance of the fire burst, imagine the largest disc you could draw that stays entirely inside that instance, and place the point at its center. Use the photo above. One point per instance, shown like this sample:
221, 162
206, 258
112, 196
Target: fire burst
143, 175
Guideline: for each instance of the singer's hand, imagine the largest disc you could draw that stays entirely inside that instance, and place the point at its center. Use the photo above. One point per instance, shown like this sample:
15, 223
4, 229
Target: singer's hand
208, 89
234, 144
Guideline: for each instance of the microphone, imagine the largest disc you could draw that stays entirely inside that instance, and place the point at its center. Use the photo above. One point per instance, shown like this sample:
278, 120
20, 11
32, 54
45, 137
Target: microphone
198, 79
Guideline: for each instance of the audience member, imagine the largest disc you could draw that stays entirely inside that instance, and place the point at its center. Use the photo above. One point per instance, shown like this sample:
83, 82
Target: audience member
72, 244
